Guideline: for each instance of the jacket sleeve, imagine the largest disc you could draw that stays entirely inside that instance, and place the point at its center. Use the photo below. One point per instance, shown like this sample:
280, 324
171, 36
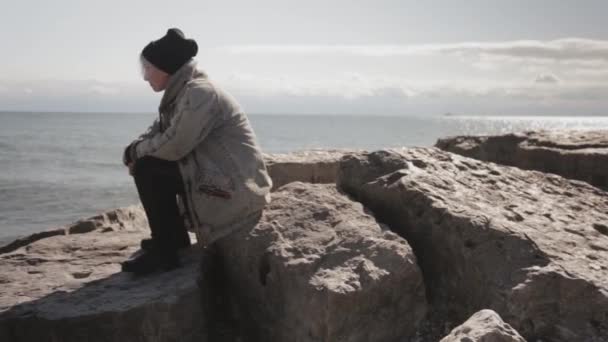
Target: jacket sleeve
151, 131
129, 152
187, 128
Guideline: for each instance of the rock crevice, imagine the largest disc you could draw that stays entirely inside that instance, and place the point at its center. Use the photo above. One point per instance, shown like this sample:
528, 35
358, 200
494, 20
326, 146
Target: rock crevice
489, 236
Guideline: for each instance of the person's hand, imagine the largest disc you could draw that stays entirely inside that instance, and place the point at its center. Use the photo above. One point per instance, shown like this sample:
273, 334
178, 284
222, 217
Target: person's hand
128, 156
131, 167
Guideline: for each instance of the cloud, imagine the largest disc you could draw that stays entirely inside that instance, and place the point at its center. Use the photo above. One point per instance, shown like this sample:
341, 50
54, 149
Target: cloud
354, 93
430, 99
357, 85
362, 50
102, 89
570, 49
567, 49
465, 77
348, 85
520, 71
88, 96
546, 79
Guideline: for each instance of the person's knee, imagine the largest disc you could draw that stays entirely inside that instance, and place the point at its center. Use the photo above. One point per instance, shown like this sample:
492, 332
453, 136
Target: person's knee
151, 166
144, 164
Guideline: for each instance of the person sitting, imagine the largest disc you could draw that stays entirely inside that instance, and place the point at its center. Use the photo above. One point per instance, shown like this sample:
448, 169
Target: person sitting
200, 154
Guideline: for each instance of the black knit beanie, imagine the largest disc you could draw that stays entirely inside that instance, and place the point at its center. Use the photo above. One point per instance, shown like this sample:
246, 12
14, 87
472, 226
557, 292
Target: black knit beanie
170, 52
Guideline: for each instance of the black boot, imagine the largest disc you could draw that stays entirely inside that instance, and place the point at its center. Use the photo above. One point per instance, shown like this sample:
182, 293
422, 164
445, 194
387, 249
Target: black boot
151, 261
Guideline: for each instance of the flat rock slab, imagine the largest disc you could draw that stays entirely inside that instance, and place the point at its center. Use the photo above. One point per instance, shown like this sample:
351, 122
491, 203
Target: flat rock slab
581, 155
484, 326
314, 166
70, 288
531, 246
318, 268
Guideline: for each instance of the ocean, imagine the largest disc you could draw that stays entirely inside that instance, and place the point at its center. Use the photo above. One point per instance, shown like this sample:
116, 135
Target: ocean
60, 167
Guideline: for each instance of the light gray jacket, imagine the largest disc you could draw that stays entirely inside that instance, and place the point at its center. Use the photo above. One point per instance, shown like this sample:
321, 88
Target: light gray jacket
207, 133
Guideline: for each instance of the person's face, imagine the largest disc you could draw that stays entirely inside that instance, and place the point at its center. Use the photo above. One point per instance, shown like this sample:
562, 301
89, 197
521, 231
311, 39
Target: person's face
157, 78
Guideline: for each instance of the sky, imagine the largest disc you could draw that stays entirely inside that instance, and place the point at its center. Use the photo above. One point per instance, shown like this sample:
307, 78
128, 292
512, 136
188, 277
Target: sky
375, 57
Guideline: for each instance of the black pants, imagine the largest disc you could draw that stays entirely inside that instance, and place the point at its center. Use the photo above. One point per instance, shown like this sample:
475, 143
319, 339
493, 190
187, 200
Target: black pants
158, 182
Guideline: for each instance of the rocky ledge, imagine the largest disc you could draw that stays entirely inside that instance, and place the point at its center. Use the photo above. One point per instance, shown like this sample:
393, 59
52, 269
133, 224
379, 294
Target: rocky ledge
531, 246
315, 267
318, 268
314, 166
399, 245
69, 287
581, 155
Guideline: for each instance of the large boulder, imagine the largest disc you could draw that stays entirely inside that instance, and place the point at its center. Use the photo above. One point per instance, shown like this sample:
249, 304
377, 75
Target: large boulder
484, 326
314, 166
581, 155
69, 287
317, 267
531, 246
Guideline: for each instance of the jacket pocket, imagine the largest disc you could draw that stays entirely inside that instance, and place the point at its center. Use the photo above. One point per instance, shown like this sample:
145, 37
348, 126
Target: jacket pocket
212, 182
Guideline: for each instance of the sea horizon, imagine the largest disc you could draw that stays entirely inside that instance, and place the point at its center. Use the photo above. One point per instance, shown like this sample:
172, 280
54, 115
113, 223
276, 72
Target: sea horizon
445, 114
61, 167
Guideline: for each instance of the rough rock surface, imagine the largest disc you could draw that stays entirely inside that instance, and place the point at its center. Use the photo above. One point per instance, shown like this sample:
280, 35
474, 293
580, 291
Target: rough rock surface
70, 288
315, 267
484, 326
315, 166
531, 246
581, 155
318, 268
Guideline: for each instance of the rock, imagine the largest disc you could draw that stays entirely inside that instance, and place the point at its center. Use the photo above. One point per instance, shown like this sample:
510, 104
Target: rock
581, 155
531, 246
316, 166
70, 288
129, 218
318, 268
484, 326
